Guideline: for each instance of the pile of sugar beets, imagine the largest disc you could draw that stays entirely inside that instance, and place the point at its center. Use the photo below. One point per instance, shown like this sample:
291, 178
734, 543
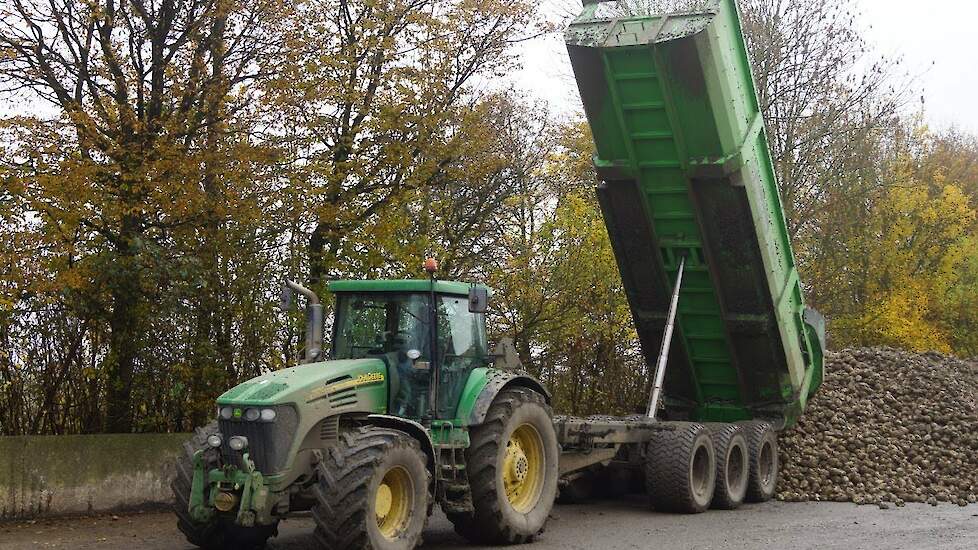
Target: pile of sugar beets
887, 427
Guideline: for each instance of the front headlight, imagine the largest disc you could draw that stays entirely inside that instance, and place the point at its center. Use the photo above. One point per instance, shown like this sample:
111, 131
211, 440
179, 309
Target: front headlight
214, 440
226, 413
268, 415
238, 443
252, 414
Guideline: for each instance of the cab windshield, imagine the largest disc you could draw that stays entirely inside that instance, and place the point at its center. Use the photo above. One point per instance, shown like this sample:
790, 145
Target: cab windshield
396, 327
377, 323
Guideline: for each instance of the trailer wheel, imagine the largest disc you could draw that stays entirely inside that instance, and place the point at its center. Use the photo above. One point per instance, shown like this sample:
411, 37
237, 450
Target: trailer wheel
373, 491
762, 444
733, 467
512, 465
680, 469
220, 533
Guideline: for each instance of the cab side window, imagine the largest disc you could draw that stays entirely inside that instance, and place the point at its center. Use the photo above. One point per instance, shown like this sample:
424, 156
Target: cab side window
461, 348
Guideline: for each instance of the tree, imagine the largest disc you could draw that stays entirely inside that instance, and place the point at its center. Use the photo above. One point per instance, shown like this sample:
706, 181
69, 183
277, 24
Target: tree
559, 291
375, 96
906, 269
144, 93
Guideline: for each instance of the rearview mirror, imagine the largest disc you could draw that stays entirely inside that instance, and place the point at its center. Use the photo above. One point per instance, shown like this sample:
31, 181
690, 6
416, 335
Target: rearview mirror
478, 299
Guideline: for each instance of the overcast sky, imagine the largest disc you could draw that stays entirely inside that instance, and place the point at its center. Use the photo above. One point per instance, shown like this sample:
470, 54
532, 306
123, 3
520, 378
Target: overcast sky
934, 38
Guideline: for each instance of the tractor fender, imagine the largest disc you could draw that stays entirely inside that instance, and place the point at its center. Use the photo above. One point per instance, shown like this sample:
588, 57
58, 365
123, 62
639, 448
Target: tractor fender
497, 381
409, 427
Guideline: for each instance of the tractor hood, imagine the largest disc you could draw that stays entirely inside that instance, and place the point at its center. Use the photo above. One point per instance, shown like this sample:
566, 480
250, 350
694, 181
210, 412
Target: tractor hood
352, 384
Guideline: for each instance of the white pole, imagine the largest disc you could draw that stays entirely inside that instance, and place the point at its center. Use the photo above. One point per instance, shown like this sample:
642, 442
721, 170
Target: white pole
660, 367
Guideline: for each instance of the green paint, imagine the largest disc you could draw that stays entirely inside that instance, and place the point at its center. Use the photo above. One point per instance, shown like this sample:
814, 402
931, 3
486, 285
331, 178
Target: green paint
247, 483
470, 392
294, 384
355, 387
200, 512
237, 390
673, 110
409, 285
447, 434
305, 388
268, 391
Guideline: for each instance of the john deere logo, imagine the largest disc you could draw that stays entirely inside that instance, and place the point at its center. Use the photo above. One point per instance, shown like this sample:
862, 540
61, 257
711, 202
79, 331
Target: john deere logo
362, 380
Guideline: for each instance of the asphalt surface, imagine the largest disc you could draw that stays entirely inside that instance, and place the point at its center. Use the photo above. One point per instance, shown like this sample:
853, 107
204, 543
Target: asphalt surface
607, 524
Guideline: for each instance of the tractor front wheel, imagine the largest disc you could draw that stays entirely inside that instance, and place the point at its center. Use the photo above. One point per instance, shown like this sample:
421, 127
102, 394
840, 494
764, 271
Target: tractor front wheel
373, 491
512, 465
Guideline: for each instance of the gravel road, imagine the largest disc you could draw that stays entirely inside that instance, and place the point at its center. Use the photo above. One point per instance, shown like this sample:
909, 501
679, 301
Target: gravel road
608, 524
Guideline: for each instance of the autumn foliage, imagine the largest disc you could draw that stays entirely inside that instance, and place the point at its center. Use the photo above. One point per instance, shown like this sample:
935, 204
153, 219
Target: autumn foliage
165, 165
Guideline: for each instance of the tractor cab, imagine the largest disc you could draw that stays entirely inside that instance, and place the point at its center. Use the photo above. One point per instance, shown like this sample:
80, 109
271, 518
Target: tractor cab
430, 334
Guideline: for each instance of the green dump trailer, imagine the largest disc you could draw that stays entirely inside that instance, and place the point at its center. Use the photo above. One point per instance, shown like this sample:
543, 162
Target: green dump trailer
685, 171
690, 200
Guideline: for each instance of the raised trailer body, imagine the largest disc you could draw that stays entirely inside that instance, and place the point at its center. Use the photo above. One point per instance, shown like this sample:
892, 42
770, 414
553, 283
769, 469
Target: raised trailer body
685, 172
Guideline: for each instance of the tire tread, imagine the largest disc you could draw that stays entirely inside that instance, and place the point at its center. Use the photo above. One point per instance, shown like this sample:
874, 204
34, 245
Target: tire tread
344, 472
755, 432
486, 525
667, 468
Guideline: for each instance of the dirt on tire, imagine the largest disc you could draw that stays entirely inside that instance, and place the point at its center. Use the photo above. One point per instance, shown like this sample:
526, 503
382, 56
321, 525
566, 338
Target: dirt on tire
349, 477
494, 521
733, 466
764, 459
675, 479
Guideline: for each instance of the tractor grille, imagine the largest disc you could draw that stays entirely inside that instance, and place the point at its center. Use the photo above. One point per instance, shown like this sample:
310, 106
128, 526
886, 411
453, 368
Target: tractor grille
268, 442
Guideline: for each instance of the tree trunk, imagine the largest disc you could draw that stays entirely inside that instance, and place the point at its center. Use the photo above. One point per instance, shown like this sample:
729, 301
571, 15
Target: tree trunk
123, 345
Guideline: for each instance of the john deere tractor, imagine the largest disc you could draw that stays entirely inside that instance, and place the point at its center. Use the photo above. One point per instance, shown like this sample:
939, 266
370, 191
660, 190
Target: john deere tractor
407, 409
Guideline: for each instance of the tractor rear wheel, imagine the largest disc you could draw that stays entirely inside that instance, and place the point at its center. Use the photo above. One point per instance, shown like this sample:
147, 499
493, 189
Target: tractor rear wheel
373, 491
512, 465
220, 533
732, 466
680, 468
762, 444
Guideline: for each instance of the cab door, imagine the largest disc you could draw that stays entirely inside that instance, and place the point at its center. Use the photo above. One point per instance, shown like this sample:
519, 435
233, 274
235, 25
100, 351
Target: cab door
461, 347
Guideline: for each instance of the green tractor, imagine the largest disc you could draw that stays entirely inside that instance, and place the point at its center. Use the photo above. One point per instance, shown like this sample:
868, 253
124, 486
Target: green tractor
409, 408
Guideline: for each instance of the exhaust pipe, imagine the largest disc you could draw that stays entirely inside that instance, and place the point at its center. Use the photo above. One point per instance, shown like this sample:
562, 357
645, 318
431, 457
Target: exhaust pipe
314, 319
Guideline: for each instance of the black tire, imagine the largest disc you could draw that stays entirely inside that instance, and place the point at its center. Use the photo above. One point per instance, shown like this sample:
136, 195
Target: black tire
680, 469
762, 445
733, 467
350, 476
220, 533
495, 520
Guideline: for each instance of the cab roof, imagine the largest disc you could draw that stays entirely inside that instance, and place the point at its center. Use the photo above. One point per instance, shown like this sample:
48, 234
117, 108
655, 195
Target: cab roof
403, 285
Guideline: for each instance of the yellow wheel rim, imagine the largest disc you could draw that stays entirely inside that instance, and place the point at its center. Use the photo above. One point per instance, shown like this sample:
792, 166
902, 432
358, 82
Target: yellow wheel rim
523, 468
393, 502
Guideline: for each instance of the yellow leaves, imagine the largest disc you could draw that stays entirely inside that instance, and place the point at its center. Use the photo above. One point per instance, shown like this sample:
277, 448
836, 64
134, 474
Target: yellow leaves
900, 318
917, 242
